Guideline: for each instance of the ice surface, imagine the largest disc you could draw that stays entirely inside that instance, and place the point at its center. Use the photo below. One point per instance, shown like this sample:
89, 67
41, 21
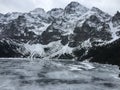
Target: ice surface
24, 74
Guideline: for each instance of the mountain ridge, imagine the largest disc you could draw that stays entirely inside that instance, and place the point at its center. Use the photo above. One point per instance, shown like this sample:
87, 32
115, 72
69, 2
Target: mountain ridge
58, 32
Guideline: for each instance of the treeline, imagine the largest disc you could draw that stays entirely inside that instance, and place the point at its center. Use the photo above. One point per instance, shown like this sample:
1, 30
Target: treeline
106, 54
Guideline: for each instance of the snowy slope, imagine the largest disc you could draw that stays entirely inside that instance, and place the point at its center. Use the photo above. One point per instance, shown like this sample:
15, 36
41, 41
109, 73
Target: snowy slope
59, 32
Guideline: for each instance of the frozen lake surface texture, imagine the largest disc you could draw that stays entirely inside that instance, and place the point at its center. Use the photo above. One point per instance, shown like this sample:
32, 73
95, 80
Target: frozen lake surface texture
25, 74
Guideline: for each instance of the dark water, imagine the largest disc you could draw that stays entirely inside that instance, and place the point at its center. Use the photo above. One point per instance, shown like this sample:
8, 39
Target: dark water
25, 74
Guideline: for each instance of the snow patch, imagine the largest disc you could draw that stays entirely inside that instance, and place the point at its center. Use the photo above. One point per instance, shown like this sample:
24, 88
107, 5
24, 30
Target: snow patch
35, 49
113, 31
86, 44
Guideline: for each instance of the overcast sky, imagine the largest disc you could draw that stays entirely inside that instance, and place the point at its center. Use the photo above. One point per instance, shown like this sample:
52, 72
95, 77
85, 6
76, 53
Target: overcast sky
110, 6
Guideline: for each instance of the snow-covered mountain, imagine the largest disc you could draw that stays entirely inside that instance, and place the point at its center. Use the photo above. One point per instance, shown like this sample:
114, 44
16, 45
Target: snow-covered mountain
58, 32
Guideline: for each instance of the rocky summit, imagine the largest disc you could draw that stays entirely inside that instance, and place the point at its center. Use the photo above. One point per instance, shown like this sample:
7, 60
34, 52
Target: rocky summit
73, 32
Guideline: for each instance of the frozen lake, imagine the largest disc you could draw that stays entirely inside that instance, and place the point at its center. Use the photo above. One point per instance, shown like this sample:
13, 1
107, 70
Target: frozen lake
25, 74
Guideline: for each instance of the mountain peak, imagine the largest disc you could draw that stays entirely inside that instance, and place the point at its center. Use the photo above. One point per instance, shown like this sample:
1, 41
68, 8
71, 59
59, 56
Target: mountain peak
100, 13
75, 7
95, 9
116, 19
56, 12
73, 3
1, 15
38, 11
118, 13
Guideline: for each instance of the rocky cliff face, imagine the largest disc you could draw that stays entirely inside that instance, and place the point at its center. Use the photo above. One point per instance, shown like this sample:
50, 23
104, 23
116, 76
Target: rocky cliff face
59, 32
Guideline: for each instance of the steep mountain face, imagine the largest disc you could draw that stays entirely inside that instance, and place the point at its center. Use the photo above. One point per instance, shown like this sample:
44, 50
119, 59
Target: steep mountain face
75, 8
9, 49
90, 29
116, 19
59, 32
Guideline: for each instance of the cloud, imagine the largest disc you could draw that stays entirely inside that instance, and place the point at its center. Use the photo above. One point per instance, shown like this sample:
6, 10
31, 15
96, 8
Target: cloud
110, 6
16, 5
